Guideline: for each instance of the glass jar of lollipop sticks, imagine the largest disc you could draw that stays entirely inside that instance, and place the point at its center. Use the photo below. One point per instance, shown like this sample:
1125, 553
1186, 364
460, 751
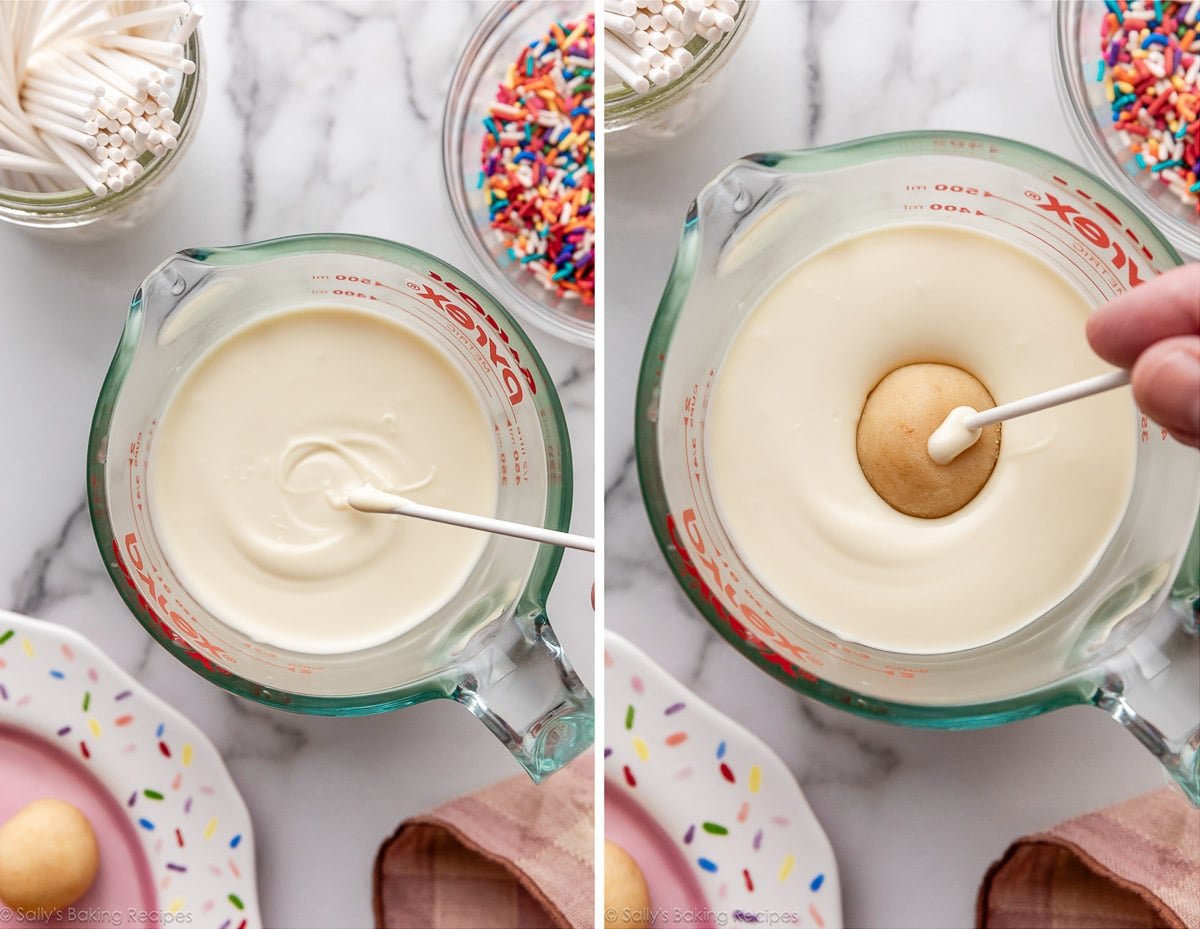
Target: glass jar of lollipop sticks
140, 120
634, 121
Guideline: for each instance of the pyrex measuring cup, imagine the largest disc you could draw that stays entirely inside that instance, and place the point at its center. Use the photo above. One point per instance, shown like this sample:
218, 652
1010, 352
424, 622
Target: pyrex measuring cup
491, 646
1109, 643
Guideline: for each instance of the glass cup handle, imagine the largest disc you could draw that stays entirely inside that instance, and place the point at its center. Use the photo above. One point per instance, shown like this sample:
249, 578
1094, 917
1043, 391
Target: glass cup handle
1159, 673
522, 688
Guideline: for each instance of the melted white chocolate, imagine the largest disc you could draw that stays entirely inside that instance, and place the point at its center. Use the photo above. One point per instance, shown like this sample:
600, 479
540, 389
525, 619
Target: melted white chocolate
260, 444
780, 441
953, 437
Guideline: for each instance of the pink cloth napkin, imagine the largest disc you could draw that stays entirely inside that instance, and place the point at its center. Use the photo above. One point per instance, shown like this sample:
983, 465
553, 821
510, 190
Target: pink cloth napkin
1131, 866
512, 856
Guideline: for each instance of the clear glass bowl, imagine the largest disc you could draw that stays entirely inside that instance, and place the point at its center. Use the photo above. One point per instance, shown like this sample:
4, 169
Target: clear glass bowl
633, 121
1077, 50
79, 214
493, 46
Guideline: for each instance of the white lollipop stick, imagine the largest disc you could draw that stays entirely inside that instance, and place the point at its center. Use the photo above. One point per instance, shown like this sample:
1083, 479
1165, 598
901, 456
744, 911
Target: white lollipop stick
628, 57
14, 161
1048, 398
654, 58
632, 79
369, 499
618, 23
682, 57
166, 13
961, 428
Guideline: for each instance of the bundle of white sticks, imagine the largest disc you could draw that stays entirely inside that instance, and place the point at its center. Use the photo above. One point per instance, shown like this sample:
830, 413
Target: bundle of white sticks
645, 40
87, 89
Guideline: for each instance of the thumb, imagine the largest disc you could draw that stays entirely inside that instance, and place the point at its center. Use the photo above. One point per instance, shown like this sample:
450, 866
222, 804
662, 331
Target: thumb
1166, 385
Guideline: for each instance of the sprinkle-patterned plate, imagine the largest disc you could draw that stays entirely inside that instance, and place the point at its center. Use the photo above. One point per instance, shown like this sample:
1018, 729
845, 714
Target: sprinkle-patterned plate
731, 807
162, 772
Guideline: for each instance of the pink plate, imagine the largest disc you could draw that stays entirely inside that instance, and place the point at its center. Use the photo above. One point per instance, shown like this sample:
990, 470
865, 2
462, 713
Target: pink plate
714, 818
175, 838
676, 899
31, 768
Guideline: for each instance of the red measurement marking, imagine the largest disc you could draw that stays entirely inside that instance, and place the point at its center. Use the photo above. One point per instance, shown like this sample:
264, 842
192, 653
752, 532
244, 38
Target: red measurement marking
697, 556
1103, 296
149, 597
514, 376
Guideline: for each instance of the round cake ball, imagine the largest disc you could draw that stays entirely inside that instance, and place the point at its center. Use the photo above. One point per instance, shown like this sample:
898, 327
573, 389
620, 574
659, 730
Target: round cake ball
900, 415
626, 899
48, 856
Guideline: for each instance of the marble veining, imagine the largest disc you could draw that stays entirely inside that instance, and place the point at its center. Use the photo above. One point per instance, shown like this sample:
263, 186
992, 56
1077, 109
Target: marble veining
34, 589
261, 733
812, 55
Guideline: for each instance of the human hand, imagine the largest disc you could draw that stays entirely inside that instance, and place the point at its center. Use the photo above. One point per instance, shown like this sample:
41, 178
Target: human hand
1154, 330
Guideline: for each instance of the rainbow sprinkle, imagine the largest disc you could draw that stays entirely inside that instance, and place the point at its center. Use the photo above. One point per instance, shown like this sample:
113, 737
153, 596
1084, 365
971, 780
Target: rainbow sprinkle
1150, 70
537, 163
745, 855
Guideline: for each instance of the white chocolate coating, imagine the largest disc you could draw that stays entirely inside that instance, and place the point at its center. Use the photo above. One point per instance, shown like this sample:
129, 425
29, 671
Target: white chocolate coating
953, 437
780, 441
258, 447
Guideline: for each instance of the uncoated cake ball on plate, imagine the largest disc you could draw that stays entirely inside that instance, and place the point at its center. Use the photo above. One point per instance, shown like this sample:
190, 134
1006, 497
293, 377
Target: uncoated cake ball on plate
48, 856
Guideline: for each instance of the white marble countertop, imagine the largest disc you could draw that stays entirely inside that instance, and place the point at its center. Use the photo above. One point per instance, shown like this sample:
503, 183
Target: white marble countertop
915, 817
320, 118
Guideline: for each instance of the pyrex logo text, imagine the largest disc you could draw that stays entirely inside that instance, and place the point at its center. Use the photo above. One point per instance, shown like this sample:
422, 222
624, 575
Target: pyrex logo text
511, 378
1093, 233
779, 644
179, 630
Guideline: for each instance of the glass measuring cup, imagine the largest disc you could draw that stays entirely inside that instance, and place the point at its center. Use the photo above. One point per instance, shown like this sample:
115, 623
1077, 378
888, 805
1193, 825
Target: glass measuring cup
1110, 643
491, 646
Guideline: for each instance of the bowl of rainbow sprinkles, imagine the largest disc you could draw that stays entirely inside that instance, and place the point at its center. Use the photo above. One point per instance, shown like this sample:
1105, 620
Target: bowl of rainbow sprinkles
518, 150
1128, 72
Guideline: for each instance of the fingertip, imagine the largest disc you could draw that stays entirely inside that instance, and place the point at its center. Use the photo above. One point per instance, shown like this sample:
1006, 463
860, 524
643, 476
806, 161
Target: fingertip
1190, 439
1166, 306
1166, 384
1099, 336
